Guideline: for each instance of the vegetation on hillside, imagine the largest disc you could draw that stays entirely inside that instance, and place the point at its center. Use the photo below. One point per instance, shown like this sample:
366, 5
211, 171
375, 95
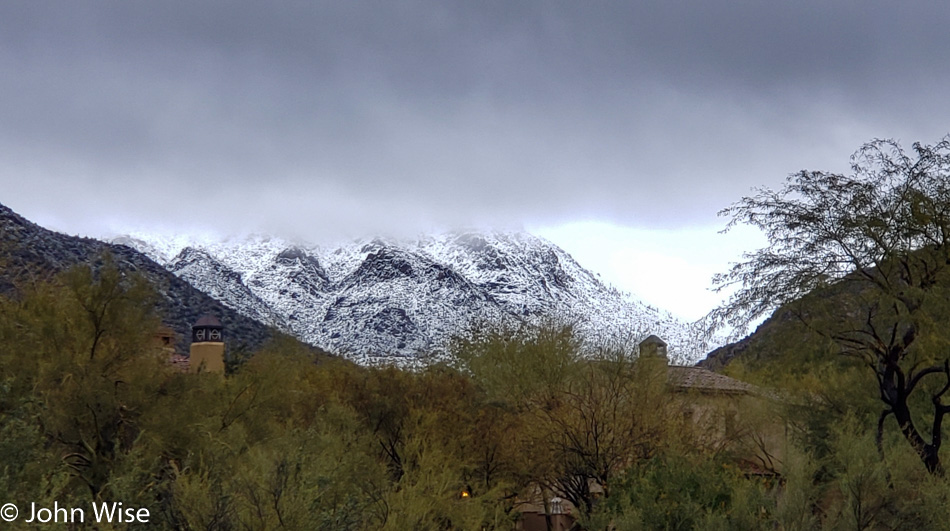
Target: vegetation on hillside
90, 410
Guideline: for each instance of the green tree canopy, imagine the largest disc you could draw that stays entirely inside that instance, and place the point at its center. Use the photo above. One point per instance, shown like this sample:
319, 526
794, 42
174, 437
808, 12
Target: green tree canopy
863, 259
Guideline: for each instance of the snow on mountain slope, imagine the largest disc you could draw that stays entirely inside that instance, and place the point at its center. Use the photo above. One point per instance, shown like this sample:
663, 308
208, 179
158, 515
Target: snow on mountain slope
202, 271
377, 300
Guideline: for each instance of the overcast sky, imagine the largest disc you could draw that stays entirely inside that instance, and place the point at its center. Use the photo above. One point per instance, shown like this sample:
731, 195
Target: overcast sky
601, 125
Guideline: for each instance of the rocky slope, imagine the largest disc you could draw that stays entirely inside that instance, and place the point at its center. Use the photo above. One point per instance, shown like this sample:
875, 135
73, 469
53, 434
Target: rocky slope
29, 252
379, 300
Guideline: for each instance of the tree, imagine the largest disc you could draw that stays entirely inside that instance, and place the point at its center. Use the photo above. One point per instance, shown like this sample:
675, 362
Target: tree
609, 416
864, 260
583, 419
80, 352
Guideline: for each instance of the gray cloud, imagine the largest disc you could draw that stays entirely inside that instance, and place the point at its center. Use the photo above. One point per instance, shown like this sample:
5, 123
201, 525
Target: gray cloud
340, 117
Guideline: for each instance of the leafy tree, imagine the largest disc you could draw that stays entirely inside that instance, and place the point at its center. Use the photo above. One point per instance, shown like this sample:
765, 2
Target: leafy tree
78, 353
583, 419
612, 414
522, 363
681, 492
864, 260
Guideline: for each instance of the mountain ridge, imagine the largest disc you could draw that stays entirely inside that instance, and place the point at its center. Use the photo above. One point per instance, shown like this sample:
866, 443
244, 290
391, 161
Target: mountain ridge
29, 249
378, 300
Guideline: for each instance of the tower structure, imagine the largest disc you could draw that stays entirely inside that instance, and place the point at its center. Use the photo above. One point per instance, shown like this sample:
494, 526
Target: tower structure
207, 345
654, 347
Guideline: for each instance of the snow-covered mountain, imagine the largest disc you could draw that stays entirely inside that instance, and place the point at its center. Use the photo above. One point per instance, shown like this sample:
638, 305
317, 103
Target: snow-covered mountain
380, 301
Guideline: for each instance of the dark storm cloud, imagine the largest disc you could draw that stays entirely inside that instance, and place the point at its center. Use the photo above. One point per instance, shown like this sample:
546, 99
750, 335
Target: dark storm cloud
375, 115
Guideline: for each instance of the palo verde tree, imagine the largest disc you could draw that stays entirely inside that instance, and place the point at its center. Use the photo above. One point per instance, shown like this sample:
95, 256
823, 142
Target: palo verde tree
864, 260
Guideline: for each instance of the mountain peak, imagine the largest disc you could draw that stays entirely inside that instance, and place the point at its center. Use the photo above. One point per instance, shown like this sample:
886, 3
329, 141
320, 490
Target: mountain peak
380, 299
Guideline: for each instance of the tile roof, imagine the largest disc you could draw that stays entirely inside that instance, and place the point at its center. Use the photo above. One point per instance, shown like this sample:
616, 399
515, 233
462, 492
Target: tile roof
182, 363
704, 380
208, 320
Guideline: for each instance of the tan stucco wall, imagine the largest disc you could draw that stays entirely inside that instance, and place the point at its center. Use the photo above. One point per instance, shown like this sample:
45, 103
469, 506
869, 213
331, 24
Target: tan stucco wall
746, 425
207, 357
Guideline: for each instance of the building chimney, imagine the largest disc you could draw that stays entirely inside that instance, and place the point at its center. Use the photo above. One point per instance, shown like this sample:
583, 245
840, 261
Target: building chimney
653, 348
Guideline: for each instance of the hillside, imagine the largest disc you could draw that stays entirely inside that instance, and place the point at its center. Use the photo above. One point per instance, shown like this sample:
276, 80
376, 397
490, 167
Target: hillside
29, 252
849, 308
